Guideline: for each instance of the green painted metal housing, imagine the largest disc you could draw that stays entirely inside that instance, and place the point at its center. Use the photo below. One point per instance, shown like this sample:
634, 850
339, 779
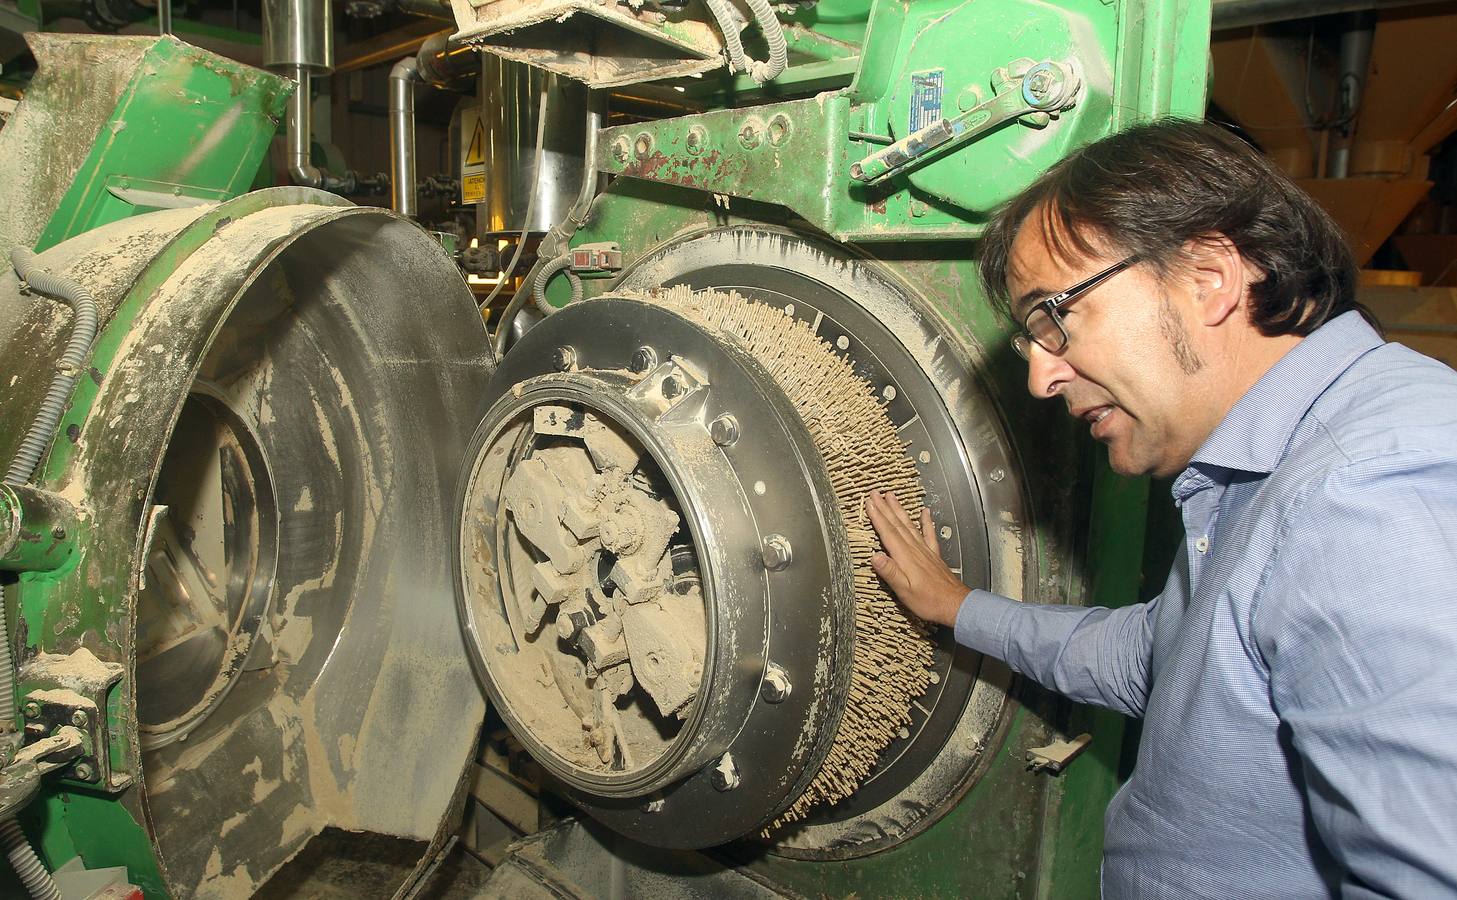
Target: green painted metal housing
114, 126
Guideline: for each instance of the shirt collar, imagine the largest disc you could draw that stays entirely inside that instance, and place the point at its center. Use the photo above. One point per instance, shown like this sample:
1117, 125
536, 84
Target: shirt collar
1255, 433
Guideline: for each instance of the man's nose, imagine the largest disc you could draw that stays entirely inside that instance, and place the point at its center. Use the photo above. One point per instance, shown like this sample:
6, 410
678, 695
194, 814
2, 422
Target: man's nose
1047, 372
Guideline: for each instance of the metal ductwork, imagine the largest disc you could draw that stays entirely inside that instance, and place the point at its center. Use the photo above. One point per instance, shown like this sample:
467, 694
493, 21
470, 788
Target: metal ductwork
298, 40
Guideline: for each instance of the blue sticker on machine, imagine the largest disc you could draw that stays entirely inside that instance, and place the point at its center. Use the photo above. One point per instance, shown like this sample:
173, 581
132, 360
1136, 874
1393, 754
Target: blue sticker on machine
926, 98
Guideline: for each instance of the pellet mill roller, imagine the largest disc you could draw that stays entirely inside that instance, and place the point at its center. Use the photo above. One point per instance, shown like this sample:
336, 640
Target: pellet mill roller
298, 518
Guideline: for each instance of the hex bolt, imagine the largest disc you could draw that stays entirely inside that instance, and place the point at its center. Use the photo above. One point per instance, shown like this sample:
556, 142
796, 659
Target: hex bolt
32, 709
724, 776
58, 533
1040, 83
621, 150
998, 474
653, 806
672, 386
724, 430
79, 718
642, 145
643, 358
919, 208
84, 772
696, 141
777, 552
749, 135
779, 128
565, 359
776, 685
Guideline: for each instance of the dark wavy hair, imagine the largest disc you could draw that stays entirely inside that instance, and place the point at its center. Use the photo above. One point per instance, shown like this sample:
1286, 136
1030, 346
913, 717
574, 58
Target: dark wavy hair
1150, 190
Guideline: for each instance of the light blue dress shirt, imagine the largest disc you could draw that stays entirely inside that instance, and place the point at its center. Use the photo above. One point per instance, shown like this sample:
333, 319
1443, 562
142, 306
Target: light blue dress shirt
1297, 676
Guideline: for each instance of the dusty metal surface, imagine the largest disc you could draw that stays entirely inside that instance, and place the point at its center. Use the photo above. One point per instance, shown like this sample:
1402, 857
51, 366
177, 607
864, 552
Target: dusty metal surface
356, 707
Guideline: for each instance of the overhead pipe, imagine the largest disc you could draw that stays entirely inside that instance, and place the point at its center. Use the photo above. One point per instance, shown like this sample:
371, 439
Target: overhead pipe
1243, 13
403, 78
298, 40
1355, 63
439, 63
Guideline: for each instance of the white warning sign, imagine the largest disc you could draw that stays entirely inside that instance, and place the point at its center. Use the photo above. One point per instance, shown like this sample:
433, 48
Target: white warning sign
472, 157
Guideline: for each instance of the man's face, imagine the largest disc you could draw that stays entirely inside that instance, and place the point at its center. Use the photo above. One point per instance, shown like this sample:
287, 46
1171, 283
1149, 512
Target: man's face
1129, 370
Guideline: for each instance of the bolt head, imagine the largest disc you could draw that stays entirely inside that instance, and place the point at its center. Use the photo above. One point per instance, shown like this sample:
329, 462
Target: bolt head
696, 140
672, 387
58, 533
724, 430
79, 718
777, 552
643, 358
32, 710
724, 776
84, 772
749, 136
776, 685
564, 359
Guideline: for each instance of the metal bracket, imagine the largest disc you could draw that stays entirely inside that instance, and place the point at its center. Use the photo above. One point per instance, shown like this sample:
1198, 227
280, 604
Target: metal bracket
1058, 755
67, 694
1043, 89
666, 387
145, 194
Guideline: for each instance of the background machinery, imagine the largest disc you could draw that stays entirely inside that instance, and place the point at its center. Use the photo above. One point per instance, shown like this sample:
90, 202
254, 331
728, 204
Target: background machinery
297, 508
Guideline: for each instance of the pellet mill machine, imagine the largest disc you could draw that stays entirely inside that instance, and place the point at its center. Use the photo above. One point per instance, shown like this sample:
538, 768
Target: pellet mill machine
282, 519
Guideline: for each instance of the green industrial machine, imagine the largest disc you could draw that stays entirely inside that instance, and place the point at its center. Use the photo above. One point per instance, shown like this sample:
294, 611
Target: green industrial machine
298, 520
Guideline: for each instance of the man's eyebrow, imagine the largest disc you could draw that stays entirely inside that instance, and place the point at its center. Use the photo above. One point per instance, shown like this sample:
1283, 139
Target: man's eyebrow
1027, 298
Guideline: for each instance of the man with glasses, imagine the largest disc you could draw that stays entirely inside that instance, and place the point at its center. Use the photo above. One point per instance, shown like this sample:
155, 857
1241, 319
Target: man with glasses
1297, 676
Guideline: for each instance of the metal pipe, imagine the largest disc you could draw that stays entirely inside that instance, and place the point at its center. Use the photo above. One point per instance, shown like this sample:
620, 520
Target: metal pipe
164, 16
1242, 13
403, 78
1355, 62
299, 130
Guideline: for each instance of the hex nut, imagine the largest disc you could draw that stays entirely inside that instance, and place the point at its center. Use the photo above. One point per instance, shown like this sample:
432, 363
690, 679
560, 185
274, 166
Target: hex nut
565, 359
776, 686
724, 776
79, 718
777, 552
672, 386
643, 358
84, 772
724, 430
31, 709
58, 533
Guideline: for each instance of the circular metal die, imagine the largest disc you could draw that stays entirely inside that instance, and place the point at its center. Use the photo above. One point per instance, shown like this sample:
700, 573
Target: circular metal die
724, 430
892, 337
776, 685
776, 552
546, 690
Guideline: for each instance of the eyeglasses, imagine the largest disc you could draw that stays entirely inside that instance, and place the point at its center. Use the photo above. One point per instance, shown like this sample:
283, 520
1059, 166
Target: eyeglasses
1043, 325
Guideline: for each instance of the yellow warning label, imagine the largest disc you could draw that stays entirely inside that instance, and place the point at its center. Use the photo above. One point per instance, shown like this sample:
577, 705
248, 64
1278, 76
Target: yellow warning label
473, 188
475, 154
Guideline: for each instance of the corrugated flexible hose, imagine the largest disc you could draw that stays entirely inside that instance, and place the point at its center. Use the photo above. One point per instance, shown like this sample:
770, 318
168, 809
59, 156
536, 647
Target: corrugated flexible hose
33, 445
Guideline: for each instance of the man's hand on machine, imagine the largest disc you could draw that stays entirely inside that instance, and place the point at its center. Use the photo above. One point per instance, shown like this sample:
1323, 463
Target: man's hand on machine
911, 564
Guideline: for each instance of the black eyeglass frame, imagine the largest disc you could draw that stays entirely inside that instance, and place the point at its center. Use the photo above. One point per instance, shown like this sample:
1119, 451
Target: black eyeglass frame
1023, 340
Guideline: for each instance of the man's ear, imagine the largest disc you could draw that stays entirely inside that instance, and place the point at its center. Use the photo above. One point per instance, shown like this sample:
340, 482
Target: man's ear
1220, 275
